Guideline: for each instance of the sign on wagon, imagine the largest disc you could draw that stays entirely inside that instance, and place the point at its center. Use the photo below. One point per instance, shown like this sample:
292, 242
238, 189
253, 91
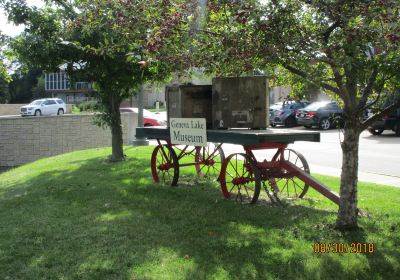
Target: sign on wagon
185, 131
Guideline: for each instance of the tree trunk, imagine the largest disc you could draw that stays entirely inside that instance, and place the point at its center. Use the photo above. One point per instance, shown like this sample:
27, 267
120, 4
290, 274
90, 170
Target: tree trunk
116, 130
348, 211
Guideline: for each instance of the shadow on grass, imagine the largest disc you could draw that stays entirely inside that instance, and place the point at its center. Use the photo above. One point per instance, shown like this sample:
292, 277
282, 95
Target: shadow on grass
383, 259
109, 221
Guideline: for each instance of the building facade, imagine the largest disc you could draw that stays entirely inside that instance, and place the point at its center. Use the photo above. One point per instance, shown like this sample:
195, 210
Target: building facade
58, 84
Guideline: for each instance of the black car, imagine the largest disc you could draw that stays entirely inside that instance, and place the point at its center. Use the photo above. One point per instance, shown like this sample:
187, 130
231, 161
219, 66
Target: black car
285, 113
389, 122
323, 114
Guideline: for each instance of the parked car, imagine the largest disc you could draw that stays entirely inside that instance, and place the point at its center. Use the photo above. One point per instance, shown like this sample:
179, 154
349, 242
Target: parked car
44, 107
149, 118
284, 113
273, 108
323, 114
388, 122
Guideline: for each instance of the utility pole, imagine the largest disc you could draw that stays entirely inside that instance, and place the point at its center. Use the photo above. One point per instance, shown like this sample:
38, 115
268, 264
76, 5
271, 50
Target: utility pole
140, 141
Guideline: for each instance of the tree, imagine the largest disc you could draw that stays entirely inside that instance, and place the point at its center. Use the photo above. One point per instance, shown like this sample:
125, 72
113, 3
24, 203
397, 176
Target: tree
351, 49
4, 92
39, 90
4, 75
22, 85
93, 40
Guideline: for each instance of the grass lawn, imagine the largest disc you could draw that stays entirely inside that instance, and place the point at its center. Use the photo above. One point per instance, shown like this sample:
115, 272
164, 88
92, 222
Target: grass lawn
76, 216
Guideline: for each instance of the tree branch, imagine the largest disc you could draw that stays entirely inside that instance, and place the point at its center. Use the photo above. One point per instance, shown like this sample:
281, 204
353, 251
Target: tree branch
380, 88
308, 78
195, 30
351, 84
330, 29
368, 89
338, 78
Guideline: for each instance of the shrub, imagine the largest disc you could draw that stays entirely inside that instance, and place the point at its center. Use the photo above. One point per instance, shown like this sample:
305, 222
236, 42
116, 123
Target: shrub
75, 109
90, 106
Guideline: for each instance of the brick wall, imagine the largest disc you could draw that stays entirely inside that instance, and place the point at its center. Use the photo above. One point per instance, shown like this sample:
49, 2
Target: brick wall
14, 109
23, 140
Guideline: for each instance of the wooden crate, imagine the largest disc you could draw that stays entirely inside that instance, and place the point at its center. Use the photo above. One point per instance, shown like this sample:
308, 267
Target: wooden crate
189, 101
240, 102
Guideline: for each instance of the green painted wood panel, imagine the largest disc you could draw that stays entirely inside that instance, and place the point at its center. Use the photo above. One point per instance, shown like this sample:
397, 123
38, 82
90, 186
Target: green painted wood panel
239, 136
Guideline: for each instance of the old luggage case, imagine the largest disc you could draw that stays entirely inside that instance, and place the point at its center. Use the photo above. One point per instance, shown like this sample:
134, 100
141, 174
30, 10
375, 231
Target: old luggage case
240, 102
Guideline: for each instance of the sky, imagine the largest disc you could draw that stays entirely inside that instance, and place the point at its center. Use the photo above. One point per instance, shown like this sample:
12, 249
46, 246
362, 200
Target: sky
10, 29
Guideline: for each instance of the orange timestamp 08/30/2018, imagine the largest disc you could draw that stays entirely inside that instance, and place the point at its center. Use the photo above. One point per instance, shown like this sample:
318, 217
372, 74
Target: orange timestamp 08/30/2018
354, 247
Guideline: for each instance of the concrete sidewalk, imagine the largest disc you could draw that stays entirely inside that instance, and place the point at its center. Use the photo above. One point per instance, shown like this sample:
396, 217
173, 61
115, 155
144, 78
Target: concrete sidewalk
362, 176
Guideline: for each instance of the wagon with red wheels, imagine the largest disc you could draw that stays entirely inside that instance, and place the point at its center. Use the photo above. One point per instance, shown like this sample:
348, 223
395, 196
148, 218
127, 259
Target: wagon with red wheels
242, 176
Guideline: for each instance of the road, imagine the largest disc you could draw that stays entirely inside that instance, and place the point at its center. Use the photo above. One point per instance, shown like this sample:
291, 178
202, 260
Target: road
379, 156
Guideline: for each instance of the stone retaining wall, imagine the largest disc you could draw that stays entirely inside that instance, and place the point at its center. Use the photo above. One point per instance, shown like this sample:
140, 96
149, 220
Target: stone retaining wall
23, 140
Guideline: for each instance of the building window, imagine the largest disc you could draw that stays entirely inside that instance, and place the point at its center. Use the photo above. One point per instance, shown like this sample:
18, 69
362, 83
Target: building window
51, 81
60, 81
59, 78
56, 81
46, 81
82, 85
63, 81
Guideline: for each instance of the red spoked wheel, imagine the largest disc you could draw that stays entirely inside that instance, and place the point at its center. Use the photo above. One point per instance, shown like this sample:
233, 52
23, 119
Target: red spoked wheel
164, 165
291, 187
209, 160
240, 179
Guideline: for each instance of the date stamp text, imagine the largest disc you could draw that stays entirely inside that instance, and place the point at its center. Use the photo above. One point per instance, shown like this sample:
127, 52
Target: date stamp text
353, 248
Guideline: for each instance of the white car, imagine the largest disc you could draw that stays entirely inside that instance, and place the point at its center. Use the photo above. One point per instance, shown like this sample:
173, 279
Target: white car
44, 107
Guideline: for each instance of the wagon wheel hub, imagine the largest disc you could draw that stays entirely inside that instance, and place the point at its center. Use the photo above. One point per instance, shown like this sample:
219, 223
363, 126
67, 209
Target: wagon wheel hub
209, 162
240, 181
164, 166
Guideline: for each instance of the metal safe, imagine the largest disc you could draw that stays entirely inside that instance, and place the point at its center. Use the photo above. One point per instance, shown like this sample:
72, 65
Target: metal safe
189, 101
240, 102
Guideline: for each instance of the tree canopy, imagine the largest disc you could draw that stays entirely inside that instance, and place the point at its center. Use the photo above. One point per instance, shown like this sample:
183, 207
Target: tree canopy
350, 49
3, 58
95, 41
